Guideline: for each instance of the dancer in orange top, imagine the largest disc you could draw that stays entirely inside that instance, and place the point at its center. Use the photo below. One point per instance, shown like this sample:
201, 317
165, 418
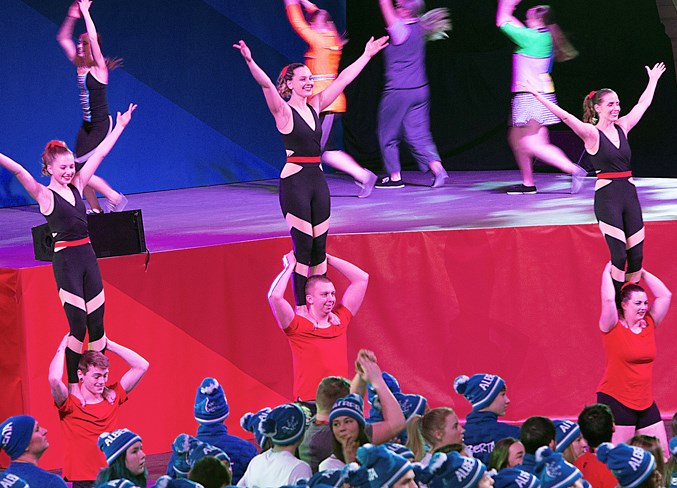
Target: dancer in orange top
325, 45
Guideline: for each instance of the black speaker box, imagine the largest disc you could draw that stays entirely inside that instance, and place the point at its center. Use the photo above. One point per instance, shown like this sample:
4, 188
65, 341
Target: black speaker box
112, 234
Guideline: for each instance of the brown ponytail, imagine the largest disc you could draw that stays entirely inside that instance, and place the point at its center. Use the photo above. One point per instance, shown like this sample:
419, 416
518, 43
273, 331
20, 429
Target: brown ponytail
589, 102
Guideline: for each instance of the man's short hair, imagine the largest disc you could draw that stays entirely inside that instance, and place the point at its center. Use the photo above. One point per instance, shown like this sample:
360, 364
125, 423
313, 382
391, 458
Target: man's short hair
93, 358
210, 472
536, 432
597, 424
331, 389
310, 284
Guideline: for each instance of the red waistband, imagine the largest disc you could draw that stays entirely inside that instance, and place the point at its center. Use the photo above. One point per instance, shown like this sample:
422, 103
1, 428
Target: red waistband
63, 244
611, 176
303, 159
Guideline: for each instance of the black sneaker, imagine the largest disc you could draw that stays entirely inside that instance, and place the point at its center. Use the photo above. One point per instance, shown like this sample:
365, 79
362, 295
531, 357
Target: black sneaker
521, 190
386, 182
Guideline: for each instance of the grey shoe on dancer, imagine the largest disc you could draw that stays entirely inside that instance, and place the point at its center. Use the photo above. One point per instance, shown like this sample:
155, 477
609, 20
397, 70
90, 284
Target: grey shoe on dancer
440, 179
117, 207
367, 186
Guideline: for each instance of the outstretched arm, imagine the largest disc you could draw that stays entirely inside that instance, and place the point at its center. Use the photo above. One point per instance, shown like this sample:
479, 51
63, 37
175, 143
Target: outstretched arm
37, 191
55, 375
137, 365
393, 419
505, 12
92, 34
359, 279
662, 296
608, 318
323, 99
388, 12
298, 21
282, 309
65, 35
276, 104
586, 132
628, 121
104, 148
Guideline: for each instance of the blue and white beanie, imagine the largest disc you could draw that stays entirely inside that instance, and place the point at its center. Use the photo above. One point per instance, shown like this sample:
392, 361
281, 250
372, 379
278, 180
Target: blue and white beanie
121, 483
480, 389
411, 405
553, 470
181, 447
515, 478
348, 406
454, 471
202, 450
168, 482
673, 451
392, 384
383, 467
115, 443
211, 406
400, 450
250, 422
9, 480
630, 465
328, 477
284, 425
15, 435
566, 432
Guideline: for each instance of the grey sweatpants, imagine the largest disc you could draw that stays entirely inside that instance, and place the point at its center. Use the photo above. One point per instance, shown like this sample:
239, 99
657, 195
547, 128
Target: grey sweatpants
404, 115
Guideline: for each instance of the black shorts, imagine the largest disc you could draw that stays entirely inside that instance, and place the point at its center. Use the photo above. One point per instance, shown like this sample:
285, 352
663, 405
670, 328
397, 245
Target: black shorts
627, 416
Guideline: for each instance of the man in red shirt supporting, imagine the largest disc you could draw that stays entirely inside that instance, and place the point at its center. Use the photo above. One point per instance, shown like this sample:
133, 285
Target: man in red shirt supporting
90, 408
317, 331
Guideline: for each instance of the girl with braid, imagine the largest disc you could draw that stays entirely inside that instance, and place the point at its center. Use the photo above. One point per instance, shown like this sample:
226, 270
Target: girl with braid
617, 207
92, 69
76, 271
539, 42
304, 194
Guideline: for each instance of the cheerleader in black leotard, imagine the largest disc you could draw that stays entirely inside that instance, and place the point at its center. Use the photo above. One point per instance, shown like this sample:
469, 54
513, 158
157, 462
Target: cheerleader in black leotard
304, 195
616, 204
75, 268
92, 68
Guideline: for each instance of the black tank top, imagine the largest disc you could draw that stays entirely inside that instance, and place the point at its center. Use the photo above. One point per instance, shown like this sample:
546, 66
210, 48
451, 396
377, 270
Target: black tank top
68, 222
302, 140
610, 159
93, 98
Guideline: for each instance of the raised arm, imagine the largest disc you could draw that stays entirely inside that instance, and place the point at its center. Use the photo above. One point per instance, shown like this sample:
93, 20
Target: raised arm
505, 12
104, 148
388, 12
38, 192
323, 99
137, 365
276, 104
298, 21
65, 35
393, 419
282, 309
587, 132
93, 36
55, 375
627, 122
662, 296
608, 317
358, 281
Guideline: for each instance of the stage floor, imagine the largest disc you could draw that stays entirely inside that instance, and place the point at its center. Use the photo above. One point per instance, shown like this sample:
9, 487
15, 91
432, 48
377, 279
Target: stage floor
197, 217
